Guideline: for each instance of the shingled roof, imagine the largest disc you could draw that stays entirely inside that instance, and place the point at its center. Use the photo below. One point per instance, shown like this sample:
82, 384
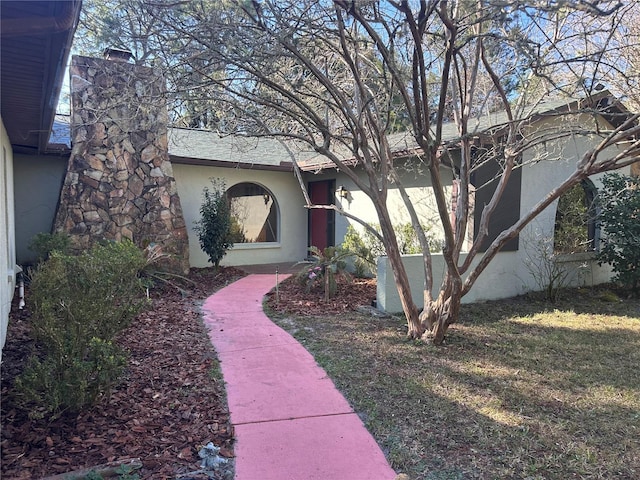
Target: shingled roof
203, 147
404, 145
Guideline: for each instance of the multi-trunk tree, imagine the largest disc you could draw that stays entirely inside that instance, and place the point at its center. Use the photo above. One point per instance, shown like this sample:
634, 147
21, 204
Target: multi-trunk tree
342, 76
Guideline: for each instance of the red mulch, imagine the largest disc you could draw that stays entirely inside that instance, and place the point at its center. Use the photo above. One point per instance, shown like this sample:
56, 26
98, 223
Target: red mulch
293, 299
167, 407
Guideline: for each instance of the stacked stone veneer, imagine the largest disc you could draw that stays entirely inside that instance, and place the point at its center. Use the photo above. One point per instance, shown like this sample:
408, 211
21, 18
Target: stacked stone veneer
119, 182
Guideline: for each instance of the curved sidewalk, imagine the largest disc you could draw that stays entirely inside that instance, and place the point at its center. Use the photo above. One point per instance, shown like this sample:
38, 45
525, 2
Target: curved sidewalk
290, 421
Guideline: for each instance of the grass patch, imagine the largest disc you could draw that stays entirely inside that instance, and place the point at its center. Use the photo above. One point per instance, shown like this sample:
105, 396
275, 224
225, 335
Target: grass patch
522, 389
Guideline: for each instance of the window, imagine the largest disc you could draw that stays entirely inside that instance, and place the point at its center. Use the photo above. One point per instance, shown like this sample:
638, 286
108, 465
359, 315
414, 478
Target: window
576, 229
488, 167
254, 213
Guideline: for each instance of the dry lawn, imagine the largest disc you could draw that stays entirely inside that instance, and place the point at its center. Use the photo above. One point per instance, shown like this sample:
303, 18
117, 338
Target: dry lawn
523, 389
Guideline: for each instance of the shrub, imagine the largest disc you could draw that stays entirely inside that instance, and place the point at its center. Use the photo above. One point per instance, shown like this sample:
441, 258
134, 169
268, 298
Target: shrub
364, 262
42, 244
60, 382
551, 273
407, 239
619, 201
366, 248
79, 304
572, 217
214, 228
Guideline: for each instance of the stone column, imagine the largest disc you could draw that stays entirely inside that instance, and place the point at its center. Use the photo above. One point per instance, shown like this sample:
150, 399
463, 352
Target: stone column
119, 182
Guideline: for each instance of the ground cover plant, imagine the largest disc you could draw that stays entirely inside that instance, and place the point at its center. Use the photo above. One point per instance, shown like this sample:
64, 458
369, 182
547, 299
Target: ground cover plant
170, 402
521, 389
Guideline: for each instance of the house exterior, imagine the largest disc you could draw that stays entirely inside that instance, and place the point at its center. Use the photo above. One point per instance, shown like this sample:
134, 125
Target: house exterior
198, 156
264, 166
261, 183
261, 165
512, 272
35, 40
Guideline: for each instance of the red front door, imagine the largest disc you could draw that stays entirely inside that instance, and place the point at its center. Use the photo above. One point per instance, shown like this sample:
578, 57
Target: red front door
321, 221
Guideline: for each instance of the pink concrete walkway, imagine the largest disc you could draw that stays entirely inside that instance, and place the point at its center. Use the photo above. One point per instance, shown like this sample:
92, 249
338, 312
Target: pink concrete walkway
290, 421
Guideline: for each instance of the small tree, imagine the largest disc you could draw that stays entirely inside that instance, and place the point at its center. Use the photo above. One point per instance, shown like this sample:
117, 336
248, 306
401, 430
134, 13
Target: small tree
214, 227
620, 223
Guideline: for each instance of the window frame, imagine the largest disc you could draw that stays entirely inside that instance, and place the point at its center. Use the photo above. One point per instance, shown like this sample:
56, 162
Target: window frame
275, 207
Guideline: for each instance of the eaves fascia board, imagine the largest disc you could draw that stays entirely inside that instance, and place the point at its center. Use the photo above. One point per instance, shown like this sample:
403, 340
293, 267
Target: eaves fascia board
282, 167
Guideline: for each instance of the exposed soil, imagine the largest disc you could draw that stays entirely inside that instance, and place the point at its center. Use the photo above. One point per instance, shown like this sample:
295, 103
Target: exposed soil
169, 404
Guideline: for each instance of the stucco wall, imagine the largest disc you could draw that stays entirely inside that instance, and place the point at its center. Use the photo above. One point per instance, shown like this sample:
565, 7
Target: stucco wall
358, 203
508, 275
191, 179
37, 181
7, 234
540, 177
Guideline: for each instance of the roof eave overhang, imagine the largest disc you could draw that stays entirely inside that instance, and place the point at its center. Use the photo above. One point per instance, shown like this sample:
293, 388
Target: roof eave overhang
50, 103
56, 22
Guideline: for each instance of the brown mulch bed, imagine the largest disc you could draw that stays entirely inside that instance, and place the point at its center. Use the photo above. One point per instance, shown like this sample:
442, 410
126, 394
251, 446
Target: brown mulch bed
169, 405
292, 298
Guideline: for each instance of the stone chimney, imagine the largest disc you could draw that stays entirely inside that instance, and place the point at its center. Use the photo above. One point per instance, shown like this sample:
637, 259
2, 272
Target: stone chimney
119, 182
117, 55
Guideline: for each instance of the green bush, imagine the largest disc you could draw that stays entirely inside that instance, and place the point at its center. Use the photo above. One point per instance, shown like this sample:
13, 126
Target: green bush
619, 201
407, 239
215, 228
60, 382
364, 263
366, 248
80, 303
42, 244
572, 217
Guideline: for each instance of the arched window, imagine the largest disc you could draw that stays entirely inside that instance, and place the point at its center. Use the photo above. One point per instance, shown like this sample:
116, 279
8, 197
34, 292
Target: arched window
254, 213
576, 229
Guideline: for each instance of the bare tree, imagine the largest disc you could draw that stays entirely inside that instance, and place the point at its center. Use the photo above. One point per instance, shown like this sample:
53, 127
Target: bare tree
124, 24
614, 40
138, 26
337, 76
